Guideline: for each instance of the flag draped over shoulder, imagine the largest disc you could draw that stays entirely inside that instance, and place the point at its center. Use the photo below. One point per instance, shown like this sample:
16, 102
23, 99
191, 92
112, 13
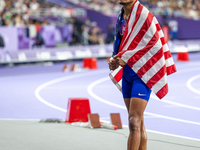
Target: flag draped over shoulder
145, 50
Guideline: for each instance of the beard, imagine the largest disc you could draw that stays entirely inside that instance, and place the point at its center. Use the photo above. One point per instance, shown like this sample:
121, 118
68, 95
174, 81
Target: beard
122, 3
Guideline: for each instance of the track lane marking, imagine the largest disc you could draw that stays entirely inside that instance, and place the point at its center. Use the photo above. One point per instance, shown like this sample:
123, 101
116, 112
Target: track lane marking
93, 84
38, 89
188, 84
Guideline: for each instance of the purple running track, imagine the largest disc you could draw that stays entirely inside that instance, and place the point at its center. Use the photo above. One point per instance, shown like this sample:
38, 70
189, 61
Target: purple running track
37, 92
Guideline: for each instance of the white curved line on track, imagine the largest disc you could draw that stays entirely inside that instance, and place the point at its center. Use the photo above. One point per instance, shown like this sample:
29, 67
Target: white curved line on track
38, 89
91, 86
186, 70
174, 103
37, 94
190, 86
89, 89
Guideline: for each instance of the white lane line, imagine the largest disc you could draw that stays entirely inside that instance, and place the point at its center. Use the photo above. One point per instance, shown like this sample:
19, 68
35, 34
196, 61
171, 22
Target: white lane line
125, 126
173, 135
186, 70
168, 134
38, 89
190, 86
89, 89
91, 86
171, 118
174, 103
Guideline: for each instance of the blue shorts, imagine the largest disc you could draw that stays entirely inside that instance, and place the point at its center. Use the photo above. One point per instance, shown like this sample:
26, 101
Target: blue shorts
133, 86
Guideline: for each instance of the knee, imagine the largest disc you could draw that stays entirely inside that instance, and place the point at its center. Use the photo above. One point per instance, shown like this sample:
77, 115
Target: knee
134, 123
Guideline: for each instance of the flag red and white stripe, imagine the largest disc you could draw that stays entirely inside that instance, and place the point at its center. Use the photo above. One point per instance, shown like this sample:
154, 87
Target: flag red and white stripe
145, 50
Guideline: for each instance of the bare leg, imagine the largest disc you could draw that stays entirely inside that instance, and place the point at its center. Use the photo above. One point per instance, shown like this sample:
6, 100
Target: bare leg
127, 102
143, 142
135, 107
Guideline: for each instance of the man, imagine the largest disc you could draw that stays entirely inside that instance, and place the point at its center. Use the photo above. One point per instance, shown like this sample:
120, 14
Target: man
173, 28
1, 41
39, 41
140, 64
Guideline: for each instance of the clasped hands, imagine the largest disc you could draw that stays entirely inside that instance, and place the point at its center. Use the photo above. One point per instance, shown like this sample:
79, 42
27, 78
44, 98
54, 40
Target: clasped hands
116, 62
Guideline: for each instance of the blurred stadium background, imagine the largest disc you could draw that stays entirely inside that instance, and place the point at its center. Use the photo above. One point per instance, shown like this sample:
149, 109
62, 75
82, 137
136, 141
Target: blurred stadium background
49, 30
36, 33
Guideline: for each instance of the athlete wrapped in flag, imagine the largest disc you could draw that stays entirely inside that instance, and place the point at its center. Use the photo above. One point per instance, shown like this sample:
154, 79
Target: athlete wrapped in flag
140, 64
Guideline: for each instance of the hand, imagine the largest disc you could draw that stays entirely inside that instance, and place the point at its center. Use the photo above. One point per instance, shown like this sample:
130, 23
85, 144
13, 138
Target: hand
113, 65
119, 61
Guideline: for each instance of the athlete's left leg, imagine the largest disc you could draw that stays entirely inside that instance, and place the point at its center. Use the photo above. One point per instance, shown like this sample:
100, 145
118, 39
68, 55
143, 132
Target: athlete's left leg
143, 142
127, 103
143, 139
136, 110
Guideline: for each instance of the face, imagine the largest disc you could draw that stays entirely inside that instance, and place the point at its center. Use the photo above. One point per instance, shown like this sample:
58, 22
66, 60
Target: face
124, 2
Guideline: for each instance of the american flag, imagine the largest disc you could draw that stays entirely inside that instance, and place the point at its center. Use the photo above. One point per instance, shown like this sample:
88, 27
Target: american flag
144, 49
